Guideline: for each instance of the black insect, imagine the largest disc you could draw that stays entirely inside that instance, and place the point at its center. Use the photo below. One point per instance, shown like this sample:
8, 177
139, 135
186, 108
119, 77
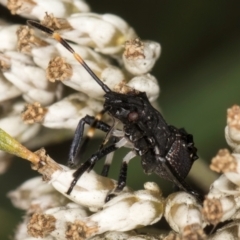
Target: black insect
164, 149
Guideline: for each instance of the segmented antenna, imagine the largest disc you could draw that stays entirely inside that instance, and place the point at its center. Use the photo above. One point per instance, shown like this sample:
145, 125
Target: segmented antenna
57, 37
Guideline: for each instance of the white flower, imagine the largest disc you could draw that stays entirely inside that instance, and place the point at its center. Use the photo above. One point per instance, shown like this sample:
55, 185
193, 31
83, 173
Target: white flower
67, 112
229, 231
229, 164
105, 33
8, 37
55, 222
146, 83
127, 211
35, 195
38, 8
7, 89
30, 79
183, 210
76, 77
232, 130
140, 56
14, 125
90, 190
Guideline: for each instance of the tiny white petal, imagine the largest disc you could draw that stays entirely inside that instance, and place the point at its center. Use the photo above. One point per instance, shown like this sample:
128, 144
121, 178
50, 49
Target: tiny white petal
128, 211
67, 112
8, 37
17, 129
182, 210
146, 83
35, 192
42, 55
222, 187
150, 54
111, 76
7, 90
106, 33
90, 190
41, 96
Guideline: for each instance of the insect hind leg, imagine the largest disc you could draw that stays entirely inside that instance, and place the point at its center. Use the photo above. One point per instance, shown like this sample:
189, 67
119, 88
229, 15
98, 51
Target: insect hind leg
122, 176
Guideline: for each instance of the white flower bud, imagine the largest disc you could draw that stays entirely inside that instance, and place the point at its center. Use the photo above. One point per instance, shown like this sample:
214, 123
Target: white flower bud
128, 211
90, 190
146, 83
125, 212
222, 187
67, 112
229, 164
13, 124
42, 55
105, 33
55, 222
30, 79
8, 37
38, 8
182, 210
222, 202
34, 195
229, 231
140, 56
76, 77
219, 210
7, 90
232, 130
22, 232
41, 96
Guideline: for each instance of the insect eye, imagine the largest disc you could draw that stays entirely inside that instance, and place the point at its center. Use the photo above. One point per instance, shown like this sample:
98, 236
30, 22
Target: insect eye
133, 116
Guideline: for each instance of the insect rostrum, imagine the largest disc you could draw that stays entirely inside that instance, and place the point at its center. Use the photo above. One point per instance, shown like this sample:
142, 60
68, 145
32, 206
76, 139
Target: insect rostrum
164, 149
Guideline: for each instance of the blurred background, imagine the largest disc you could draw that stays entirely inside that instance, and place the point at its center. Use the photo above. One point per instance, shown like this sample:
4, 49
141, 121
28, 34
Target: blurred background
199, 76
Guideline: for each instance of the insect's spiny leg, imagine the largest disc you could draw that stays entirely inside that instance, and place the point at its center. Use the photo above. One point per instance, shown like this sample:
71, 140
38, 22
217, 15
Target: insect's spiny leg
122, 176
61, 40
77, 148
109, 134
123, 171
89, 164
96, 124
107, 164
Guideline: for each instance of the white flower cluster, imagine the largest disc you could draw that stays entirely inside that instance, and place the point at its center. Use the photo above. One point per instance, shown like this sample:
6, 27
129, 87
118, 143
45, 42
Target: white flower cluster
52, 214
34, 69
222, 203
83, 213
35, 74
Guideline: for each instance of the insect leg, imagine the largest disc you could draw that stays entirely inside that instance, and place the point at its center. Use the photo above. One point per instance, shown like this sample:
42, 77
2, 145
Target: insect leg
94, 123
122, 176
107, 164
109, 157
89, 164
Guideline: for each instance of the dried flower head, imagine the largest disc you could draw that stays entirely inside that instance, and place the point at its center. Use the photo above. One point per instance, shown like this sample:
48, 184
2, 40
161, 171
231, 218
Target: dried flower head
224, 162
33, 113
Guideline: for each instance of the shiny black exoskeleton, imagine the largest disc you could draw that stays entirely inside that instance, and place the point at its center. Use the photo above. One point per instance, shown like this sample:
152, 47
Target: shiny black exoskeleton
164, 149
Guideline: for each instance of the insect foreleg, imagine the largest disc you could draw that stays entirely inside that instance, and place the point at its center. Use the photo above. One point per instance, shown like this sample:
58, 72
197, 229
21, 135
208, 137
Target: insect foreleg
89, 164
76, 146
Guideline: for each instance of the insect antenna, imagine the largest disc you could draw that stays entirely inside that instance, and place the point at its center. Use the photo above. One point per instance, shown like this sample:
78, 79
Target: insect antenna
57, 37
